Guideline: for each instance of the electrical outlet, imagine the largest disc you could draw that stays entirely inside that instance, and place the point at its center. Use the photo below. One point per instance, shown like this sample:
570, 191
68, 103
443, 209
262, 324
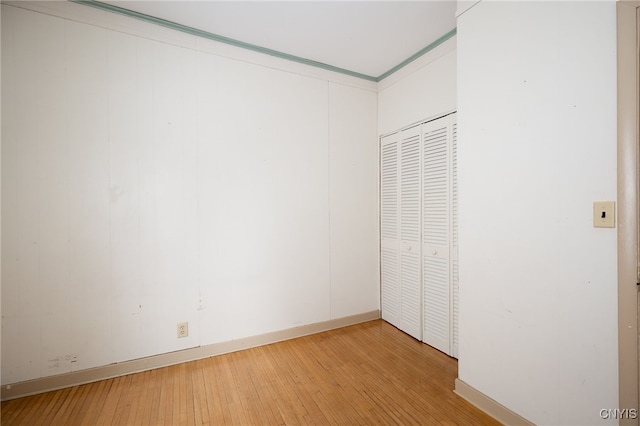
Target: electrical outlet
183, 329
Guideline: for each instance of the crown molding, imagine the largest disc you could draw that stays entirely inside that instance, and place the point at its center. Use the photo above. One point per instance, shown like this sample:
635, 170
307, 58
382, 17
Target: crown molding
259, 49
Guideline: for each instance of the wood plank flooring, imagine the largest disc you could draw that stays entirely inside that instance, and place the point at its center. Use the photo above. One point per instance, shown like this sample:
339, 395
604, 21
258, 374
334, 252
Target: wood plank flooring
369, 373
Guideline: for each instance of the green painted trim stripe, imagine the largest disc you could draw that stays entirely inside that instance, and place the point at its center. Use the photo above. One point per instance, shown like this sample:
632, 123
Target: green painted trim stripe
248, 46
418, 54
219, 38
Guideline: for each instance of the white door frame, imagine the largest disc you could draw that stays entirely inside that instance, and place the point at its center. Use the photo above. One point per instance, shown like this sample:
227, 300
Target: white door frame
628, 198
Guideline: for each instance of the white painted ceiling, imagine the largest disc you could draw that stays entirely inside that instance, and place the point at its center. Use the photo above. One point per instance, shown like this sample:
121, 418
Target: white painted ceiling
367, 37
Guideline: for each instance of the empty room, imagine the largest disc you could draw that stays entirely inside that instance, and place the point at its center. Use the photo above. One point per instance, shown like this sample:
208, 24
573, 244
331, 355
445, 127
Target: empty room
329, 212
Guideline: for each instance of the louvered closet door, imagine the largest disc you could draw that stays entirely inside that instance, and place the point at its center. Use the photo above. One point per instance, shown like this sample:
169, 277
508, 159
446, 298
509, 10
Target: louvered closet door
410, 225
455, 279
390, 229
436, 238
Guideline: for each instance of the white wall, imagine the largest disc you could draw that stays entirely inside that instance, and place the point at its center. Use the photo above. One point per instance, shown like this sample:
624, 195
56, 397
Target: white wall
353, 177
424, 89
149, 182
537, 145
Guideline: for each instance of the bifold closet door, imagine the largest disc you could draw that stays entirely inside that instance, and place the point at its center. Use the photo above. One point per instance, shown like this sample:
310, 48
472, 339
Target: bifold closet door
410, 224
419, 232
436, 233
455, 278
390, 229
400, 230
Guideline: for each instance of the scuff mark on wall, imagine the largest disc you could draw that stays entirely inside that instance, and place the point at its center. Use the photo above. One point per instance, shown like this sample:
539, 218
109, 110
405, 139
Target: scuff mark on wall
63, 362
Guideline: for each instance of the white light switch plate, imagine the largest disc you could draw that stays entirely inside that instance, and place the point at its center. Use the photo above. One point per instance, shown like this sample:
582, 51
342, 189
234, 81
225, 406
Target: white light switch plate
604, 214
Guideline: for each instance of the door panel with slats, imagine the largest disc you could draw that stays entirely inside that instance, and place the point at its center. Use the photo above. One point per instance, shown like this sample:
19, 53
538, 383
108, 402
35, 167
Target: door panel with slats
389, 230
410, 182
436, 237
436, 303
410, 186
455, 279
418, 228
389, 189
411, 306
390, 286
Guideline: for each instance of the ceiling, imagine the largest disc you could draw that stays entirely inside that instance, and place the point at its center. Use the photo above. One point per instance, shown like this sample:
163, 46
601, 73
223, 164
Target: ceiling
364, 37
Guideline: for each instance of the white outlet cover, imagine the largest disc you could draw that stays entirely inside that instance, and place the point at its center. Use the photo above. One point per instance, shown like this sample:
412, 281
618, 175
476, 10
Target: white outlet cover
183, 329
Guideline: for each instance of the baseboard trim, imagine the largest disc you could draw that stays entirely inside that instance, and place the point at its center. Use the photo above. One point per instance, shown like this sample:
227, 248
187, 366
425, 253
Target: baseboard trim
46, 384
489, 406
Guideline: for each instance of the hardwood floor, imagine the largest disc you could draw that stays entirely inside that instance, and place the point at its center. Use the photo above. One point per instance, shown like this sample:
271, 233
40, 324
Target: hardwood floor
369, 373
